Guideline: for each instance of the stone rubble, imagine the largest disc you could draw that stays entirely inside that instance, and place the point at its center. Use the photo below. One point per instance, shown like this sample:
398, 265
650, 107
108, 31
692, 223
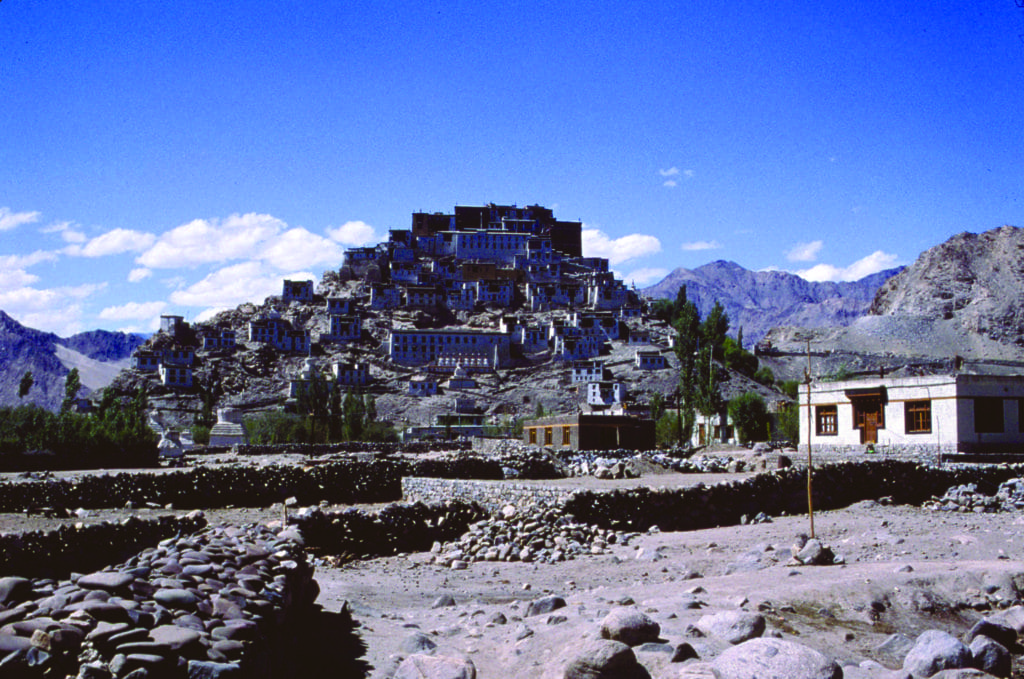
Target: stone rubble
209, 604
541, 533
1009, 497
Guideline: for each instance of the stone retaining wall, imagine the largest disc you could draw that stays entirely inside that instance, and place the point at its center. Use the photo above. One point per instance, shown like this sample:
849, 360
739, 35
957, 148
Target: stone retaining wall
901, 452
316, 449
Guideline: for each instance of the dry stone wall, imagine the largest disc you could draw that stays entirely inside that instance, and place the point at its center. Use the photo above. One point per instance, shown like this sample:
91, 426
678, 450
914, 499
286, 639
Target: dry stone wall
205, 487
779, 492
56, 553
489, 494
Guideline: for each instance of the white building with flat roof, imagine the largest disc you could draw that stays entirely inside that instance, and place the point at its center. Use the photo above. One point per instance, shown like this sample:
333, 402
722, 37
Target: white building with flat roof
950, 413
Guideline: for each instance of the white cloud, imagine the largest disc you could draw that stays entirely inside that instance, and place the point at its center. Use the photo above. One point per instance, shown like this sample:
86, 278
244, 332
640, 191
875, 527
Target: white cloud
113, 242
644, 276
688, 174
671, 172
670, 183
873, 263
12, 279
203, 241
804, 252
10, 220
596, 243
235, 284
133, 311
698, 245
67, 233
52, 310
140, 274
353, 233
298, 248
22, 261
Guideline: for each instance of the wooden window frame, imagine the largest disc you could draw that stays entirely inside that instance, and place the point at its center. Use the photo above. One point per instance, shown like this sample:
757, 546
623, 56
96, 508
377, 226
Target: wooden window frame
826, 420
566, 436
918, 416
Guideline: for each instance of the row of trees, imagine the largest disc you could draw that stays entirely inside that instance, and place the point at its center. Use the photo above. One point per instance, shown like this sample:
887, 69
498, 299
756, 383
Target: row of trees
324, 414
115, 434
702, 346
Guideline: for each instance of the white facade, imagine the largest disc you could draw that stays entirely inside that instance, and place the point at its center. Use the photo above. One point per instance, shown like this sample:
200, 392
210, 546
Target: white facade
351, 374
422, 386
649, 360
964, 413
418, 347
605, 393
175, 376
587, 371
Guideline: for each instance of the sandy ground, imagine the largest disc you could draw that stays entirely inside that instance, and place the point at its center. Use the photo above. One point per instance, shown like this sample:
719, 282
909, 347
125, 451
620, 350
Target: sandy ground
907, 569
916, 569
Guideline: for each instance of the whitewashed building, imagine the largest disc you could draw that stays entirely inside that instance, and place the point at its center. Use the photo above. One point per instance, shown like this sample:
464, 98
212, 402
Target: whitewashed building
418, 347
649, 360
948, 413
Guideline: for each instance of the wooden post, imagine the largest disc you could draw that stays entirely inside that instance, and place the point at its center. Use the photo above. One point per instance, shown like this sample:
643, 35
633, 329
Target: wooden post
810, 420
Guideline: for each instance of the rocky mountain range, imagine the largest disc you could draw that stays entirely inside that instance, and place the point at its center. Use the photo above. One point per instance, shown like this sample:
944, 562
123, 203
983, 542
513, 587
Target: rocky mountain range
758, 301
962, 298
99, 355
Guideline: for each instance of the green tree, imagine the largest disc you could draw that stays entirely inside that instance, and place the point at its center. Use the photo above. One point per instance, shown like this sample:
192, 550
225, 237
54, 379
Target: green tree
26, 384
657, 406
750, 417
765, 376
737, 358
687, 326
353, 414
72, 385
789, 423
713, 331
666, 429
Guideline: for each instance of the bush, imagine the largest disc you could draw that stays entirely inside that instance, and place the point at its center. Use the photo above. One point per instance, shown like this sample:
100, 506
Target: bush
750, 417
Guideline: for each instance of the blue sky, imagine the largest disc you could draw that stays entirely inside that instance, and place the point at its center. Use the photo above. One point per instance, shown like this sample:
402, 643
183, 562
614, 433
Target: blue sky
185, 157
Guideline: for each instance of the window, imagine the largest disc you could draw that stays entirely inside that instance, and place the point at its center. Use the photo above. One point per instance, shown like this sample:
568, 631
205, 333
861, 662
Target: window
566, 436
918, 417
988, 415
533, 435
827, 420
548, 436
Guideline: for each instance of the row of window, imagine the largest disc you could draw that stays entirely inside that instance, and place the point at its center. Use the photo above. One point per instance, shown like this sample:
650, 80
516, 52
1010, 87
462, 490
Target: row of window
917, 417
549, 435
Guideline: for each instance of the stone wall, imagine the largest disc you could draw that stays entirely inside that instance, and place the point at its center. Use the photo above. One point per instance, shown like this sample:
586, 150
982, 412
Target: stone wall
778, 492
342, 482
57, 553
317, 449
905, 453
398, 527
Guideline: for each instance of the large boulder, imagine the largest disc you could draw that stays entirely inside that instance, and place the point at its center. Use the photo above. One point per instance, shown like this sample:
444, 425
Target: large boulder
990, 656
422, 666
934, 651
630, 626
606, 659
770, 657
734, 627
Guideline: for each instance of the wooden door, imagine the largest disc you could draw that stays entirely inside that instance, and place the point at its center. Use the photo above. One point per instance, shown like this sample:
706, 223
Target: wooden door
869, 432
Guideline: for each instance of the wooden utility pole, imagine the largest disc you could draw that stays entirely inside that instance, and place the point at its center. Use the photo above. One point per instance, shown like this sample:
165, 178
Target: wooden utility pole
810, 462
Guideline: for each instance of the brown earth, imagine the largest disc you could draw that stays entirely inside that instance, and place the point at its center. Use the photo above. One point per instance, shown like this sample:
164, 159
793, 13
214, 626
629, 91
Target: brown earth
907, 569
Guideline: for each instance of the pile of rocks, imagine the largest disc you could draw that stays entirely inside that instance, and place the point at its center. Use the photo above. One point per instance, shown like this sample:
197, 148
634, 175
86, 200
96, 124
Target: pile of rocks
213, 604
592, 463
966, 498
539, 533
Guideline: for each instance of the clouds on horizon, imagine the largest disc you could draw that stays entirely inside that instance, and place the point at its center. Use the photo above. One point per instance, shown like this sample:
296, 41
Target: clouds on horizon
804, 252
699, 245
597, 243
873, 263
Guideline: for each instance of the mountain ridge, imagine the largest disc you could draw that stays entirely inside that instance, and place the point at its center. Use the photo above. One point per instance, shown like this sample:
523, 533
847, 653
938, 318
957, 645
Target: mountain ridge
98, 354
757, 301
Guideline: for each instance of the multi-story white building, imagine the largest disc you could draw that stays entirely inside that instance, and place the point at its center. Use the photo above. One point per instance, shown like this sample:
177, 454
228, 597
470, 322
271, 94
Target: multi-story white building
297, 291
605, 394
587, 371
419, 347
175, 375
350, 374
649, 360
344, 329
